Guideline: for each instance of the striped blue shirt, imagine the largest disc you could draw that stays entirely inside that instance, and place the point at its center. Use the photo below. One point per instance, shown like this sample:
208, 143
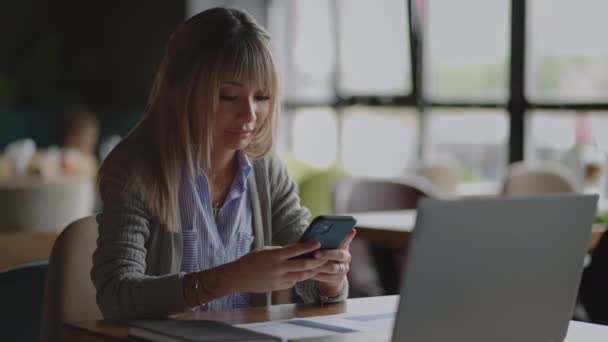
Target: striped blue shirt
207, 243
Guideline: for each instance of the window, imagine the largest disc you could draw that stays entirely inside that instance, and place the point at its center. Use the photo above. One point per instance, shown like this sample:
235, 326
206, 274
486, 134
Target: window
379, 141
549, 134
374, 57
468, 44
560, 135
340, 56
567, 56
312, 55
315, 136
329, 49
475, 139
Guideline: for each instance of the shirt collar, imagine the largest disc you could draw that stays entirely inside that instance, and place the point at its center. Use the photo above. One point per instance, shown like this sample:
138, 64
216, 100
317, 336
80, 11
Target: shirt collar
244, 163
244, 169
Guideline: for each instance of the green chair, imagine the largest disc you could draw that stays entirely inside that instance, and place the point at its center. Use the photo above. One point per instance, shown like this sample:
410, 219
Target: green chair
298, 169
316, 191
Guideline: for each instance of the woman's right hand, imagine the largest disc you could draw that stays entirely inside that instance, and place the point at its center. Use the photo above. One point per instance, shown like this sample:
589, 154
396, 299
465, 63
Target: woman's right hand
272, 268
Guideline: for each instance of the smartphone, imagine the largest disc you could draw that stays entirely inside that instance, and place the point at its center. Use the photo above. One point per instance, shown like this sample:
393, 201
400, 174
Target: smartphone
330, 231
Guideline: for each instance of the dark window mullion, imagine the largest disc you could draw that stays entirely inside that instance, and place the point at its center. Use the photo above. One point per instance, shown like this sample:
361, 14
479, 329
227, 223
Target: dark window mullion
293, 105
517, 102
569, 106
337, 105
415, 30
390, 101
439, 104
289, 75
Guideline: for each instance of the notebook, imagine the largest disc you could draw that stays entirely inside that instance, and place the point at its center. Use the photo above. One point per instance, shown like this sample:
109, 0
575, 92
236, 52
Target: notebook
193, 331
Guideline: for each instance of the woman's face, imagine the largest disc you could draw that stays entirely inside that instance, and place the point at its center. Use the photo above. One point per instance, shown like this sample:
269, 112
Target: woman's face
241, 109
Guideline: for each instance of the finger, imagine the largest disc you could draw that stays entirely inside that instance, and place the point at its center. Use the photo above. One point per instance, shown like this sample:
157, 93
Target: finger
349, 238
328, 267
333, 268
331, 279
299, 249
339, 255
298, 265
298, 276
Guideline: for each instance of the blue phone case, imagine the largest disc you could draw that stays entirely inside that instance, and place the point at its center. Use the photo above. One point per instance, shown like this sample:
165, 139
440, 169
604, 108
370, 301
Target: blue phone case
330, 231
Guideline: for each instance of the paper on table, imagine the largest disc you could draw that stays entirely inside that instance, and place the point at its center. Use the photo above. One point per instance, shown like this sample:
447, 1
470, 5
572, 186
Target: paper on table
324, 325
579, 331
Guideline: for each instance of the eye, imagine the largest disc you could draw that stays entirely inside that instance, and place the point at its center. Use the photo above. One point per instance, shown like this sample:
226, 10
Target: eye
262, 98
228, 97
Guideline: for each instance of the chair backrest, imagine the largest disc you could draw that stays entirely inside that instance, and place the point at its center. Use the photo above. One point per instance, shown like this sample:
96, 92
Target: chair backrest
524, 178
443, 176
358, 194
18, 248
56, 203
21, 290
316, 192
69, 294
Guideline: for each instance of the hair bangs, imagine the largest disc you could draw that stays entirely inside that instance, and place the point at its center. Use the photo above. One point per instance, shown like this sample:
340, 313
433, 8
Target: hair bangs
248, 60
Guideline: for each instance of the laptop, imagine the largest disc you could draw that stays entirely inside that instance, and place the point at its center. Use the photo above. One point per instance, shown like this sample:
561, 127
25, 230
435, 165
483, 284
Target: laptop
504, 269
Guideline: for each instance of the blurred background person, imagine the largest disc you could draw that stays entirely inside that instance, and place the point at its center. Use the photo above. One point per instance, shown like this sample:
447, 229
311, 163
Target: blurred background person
80, 137
80, 130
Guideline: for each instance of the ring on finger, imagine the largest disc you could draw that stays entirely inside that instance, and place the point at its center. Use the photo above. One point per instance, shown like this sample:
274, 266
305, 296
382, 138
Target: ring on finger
341, 268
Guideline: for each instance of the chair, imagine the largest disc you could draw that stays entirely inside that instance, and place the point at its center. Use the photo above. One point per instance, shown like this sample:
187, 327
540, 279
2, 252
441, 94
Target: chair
21, 291
55, 202
443, 176
356, 194
525, 178
17, 248
316, 191
69, 294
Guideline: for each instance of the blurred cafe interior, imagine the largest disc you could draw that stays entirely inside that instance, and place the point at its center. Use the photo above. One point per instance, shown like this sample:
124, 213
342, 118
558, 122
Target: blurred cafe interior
383, 103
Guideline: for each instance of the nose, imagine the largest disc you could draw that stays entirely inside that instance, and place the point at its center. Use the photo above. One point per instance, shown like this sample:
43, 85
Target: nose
249, 110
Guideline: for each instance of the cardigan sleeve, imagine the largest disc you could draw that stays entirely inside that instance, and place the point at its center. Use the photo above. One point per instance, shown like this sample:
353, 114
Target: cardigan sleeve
124, 291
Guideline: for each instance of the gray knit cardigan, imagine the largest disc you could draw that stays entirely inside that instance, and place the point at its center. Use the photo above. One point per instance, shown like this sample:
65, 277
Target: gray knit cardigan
136, 266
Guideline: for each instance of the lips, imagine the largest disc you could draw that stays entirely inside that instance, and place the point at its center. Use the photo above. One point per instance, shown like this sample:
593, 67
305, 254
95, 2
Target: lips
240, 132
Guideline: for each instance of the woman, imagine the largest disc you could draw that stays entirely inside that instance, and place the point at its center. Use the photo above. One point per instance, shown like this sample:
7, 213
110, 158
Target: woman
194, 193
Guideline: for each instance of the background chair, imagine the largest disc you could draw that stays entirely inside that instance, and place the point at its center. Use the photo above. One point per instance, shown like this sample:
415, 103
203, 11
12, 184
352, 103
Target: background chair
17, 248
21, 291
444, 176
69, 294
55, 203
525, 178
375, 270
316, 191
531, 178
358, 194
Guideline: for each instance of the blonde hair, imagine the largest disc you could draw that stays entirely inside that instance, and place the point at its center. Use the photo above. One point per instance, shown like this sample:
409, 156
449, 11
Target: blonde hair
212, 46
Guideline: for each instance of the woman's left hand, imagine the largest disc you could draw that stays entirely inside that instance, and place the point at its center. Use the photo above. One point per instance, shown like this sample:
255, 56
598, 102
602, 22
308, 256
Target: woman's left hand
332, 274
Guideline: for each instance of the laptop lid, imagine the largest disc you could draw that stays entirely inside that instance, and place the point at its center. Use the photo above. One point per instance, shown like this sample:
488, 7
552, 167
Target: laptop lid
504, 269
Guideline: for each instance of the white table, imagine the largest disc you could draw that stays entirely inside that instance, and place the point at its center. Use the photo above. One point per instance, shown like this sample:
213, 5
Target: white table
118, 331
586, 332
392, 228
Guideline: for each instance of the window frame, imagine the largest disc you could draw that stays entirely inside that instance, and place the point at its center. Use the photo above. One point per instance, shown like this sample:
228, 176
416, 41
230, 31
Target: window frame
517, 105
